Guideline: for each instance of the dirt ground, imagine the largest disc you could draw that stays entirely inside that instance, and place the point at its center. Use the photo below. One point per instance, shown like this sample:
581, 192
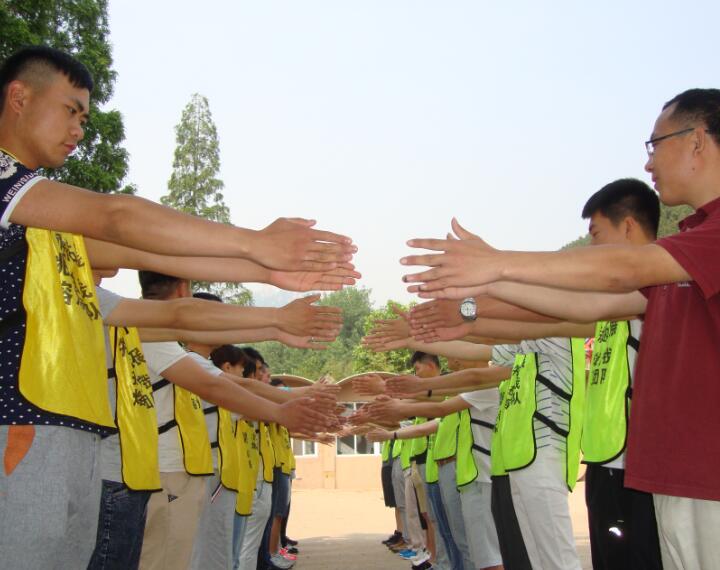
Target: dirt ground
342, 530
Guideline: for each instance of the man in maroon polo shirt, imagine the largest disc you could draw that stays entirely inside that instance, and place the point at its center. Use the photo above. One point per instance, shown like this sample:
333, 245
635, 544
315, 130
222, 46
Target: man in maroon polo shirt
674, 436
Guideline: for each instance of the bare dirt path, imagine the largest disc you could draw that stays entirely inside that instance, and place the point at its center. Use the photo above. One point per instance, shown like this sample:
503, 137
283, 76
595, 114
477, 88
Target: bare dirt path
342, 530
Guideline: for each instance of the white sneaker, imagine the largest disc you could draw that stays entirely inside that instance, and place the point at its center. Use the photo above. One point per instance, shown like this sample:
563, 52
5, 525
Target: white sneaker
281, 562
420, 557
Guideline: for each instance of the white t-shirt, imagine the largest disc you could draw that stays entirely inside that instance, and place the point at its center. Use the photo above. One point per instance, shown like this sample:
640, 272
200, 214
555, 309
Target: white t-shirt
483, 413
159, 356
554, 363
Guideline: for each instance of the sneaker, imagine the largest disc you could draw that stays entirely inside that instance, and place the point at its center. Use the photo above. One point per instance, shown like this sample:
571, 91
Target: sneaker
289, 541
393, 538
287, 555
421, 557
292, 549
399, 545
408, 553
281, 562
424, 566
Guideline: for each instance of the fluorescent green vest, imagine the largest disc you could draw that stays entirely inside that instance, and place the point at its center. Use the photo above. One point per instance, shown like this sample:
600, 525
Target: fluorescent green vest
418, 445
465, 469
385, 453
431, 469
405, 453
446, 437
396, 448
497, 466
517, 430
608, 393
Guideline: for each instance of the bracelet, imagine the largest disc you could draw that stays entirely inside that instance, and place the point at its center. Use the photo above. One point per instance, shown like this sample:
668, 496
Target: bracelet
394, 435
429, 394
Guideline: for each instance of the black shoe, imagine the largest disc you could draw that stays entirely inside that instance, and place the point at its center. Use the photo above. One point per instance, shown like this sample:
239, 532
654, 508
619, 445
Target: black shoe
291, 550
289, 541
424, 566
393, 538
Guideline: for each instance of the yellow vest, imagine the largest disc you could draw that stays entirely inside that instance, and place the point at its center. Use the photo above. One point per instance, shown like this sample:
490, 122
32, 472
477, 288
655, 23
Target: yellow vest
281, 444
431, 467
64, 369
135, 412
267, 452
497, 466
192, 431
228, 452
248, 464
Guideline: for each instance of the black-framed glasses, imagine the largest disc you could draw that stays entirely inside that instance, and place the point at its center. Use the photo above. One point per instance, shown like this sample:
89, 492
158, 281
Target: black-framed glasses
652, 143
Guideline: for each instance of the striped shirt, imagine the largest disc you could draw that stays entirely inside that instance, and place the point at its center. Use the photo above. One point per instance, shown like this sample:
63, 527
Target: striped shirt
554, 356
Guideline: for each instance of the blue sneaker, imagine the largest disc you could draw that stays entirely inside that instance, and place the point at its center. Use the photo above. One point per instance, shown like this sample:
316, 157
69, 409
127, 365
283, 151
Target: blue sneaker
407, 554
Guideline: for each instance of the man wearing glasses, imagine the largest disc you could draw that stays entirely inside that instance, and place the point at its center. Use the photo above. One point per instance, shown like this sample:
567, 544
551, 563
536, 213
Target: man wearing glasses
674, 443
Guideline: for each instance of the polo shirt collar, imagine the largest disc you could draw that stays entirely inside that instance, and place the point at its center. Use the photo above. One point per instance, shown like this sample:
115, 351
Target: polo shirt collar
700, 215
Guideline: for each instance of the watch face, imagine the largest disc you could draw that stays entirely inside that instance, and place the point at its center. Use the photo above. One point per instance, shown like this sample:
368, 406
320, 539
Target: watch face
467, 309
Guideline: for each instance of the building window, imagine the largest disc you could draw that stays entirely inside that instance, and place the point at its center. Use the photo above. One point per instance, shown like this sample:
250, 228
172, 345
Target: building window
302, 448
355, 444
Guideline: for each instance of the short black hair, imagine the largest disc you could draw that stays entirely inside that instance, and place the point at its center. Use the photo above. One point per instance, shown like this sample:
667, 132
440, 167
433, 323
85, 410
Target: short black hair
42, 59
157, 285
419, 356
277, 382
232, 355
254, 354
207, 296
698, 106
627, 197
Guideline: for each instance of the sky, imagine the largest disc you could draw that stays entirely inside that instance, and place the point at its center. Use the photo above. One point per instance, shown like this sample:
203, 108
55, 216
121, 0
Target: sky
383, 119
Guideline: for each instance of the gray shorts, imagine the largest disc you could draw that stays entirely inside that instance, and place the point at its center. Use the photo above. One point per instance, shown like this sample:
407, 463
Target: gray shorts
50, 501
480, 529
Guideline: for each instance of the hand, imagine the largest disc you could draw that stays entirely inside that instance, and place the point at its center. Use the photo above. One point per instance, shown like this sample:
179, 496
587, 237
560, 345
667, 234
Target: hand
393, 329
453, 293
434, 314
290, 244
302, 414
380, 343
309, 342
404, 386
369, 385
324, 388
378, 435
302, 281
442, 334
302, 318
386, 410
462, 263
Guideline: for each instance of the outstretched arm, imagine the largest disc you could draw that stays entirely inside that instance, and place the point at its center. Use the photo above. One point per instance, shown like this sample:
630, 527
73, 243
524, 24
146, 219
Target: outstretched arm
142, 224
471, 378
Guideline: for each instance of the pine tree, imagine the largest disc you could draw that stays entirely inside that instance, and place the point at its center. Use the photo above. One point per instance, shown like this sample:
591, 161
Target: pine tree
194, 186
79, 27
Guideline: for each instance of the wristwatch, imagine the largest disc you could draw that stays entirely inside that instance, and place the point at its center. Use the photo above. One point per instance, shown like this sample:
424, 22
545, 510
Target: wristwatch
468, 309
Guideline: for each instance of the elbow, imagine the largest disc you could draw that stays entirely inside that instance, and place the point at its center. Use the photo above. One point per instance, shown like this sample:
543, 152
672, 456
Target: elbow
183, 313
115, 224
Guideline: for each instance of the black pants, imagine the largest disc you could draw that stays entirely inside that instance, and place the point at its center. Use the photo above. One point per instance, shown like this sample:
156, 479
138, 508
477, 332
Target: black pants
512, 546
623, 530
388, 491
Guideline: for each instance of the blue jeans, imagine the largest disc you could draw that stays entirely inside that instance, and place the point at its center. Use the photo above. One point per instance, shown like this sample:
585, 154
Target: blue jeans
443, 526
280, 502
120, 527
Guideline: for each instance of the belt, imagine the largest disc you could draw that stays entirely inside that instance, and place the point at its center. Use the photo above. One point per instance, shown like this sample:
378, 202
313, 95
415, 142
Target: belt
444, 461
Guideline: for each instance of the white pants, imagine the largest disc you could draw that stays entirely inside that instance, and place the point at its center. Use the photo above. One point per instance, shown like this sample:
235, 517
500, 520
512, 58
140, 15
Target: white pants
255, 527
688, 532
212, 548
540, 495
414, 529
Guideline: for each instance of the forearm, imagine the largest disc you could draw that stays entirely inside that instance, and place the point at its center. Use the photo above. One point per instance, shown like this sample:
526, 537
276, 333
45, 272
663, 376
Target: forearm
421, 430
262, 390
517, 330
105, 255
232, 397
452, 349
471, 378
208, 337
610, 268
491, 307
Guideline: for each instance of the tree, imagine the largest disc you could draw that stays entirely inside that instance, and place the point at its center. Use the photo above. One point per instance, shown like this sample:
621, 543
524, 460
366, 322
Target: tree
365, 360
337, 360
194, 186
79, 27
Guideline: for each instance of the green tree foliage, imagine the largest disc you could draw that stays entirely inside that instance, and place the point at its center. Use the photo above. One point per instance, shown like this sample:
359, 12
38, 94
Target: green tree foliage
366, 360
194, 186
669, 219
79, 27
338, 359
